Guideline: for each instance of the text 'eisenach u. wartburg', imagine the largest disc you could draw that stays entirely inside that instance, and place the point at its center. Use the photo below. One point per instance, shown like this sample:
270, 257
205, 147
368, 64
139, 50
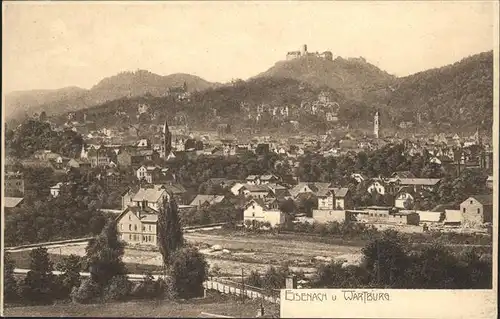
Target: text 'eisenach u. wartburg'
347, 295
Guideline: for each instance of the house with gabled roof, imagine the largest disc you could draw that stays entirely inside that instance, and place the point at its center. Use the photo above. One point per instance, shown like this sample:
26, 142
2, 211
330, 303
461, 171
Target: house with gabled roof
309, 187
404, 196
151, 174
138, 225
153, 197
381, 186
256, 210
477, 210
206, 200
257, 191
343, 198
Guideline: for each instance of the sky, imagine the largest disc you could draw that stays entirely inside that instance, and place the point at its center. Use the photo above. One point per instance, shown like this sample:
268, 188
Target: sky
48, 45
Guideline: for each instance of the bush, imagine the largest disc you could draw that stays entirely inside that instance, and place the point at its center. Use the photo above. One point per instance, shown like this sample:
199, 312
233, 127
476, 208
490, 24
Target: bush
88, 292
146, 289
10, 284
254, 279
118, 288
188, 271
38, 286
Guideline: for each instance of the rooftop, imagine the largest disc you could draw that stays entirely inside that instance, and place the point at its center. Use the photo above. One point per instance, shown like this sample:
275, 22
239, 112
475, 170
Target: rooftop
11, 202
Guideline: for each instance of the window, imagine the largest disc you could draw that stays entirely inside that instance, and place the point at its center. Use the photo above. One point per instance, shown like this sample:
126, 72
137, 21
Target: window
130, 237
463, 210
471, 201
130, 227
143, 228
135, 227
149, 227
129, 217
479, 210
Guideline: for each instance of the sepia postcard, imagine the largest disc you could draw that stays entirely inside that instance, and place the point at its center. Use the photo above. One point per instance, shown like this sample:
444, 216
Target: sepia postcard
244, 159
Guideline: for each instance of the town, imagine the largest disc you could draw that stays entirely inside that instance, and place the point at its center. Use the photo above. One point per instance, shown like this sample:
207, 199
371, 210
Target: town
130, 193
395, 200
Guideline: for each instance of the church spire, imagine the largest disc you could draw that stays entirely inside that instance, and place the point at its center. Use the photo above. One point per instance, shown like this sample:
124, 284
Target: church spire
376, 124
166, 145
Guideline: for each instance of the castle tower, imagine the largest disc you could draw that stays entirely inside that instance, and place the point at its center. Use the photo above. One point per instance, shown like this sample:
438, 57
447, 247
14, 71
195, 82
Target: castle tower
166, 143
376, 124
303, 50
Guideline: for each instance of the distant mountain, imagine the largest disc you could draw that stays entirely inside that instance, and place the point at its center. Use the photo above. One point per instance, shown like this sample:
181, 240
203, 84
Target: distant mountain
19, 102
142, 82
353, 77
125, 84
457, 96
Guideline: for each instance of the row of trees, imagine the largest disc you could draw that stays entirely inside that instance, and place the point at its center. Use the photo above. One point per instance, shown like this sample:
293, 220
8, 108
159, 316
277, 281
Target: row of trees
185, 270
390, 261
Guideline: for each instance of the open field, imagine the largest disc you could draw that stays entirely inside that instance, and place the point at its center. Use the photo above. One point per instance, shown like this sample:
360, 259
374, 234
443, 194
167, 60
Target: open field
214, 304
249, 252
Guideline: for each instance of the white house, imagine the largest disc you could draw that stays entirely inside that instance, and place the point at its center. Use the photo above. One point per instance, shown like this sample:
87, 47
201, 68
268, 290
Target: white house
358, 177
56, 189
402, 197
379, 186
138, 225
148, 173
235, 190
257, 211
326, 199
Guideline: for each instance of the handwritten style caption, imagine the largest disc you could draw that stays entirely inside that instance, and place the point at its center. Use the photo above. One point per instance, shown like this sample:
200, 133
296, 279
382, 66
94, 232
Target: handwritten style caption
364, 296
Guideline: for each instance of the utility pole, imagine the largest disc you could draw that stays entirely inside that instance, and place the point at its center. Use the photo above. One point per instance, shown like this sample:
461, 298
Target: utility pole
242, 286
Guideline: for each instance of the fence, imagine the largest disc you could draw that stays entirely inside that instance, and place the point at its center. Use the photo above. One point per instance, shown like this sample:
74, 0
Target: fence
51, 243
227, 286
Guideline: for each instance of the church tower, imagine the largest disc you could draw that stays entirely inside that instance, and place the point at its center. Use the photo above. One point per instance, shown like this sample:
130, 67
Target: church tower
166, 141
376, 124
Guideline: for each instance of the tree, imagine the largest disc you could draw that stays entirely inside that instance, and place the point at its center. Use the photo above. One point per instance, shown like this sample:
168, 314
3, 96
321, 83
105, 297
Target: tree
170, 236
254, 279
188, 270
38, 285
10, 284
104, 255
70, 266
274, 278
118, 288
386, 259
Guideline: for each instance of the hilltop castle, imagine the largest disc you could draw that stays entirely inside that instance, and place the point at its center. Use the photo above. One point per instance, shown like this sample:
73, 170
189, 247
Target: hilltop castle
327, 55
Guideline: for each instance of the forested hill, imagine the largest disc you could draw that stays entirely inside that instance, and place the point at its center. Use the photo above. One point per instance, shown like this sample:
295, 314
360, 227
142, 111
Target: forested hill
237, 104
457, 96
354, 77
19, 102
124, 84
